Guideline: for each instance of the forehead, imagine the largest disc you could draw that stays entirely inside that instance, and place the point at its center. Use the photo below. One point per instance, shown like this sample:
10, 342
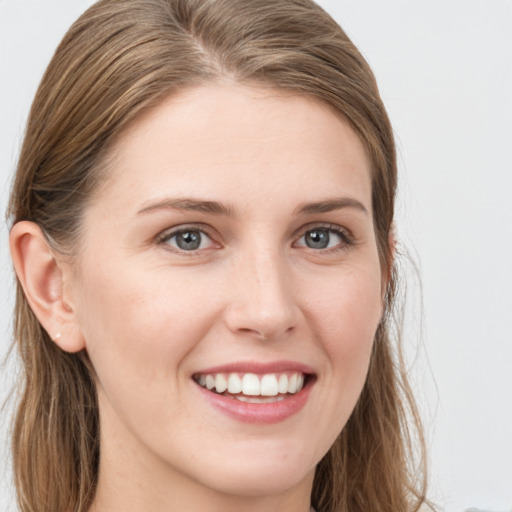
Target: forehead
238, 142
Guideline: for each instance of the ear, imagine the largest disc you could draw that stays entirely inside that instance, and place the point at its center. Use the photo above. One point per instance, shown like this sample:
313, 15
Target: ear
43, 279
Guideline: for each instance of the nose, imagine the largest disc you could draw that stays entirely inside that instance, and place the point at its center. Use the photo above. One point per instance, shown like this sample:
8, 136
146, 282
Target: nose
262, 302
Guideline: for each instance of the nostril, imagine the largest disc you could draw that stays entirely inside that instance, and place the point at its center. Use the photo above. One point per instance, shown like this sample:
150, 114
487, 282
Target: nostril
255, 332
265, 335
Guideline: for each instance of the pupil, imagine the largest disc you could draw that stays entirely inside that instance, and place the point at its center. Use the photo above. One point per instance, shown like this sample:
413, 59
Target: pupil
317, 239
189, 240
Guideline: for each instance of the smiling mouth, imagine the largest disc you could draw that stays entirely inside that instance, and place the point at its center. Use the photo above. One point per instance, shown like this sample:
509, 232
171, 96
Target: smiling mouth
253, 388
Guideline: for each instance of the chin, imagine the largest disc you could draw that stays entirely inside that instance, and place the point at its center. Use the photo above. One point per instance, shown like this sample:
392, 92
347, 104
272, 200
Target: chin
264, 482
261, 475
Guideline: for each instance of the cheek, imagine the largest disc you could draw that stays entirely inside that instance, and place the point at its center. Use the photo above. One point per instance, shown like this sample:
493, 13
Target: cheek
346, 319
139, 330
351, 308
139, 326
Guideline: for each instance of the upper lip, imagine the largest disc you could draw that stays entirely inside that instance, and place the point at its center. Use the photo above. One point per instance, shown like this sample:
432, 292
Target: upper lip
258, 368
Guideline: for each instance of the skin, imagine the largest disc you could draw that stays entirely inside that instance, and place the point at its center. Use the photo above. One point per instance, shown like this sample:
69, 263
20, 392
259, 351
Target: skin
151, 315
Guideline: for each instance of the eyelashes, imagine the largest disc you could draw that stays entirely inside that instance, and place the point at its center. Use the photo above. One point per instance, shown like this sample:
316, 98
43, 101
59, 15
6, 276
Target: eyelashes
325, 238
188, 240
191, 240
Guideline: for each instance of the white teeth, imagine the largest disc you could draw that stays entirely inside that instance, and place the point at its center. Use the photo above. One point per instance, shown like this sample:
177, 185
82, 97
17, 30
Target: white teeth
259, 399
292, 384
210, 382
234, 383
283, 383
269, 385
221, 384
252, 385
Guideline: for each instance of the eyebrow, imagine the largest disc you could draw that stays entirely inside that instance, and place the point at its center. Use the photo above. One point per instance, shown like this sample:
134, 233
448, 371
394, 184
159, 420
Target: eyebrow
216, 208
189, 204
330, 205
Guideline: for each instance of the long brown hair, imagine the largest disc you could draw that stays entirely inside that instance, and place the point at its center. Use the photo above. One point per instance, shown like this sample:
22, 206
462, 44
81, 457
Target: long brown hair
119, 59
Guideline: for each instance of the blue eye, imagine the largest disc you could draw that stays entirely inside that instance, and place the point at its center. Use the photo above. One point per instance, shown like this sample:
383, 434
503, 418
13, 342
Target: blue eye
188, 239
323, 238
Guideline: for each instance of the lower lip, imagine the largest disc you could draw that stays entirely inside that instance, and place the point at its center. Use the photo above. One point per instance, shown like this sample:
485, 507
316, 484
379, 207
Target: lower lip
273, 412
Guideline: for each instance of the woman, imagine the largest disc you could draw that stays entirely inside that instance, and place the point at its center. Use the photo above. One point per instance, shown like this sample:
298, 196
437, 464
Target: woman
203, 243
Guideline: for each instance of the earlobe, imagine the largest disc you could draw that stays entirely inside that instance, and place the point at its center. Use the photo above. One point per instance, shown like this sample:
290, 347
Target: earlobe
42, 279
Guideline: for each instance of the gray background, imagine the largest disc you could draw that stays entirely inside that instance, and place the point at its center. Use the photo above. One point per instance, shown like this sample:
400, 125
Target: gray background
445, 72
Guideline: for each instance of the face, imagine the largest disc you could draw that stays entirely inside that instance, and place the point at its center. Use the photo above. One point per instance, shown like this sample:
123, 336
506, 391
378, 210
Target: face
228, 289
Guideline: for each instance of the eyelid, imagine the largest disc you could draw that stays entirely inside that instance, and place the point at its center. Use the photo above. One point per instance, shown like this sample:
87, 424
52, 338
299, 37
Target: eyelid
167, 234
347, 236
